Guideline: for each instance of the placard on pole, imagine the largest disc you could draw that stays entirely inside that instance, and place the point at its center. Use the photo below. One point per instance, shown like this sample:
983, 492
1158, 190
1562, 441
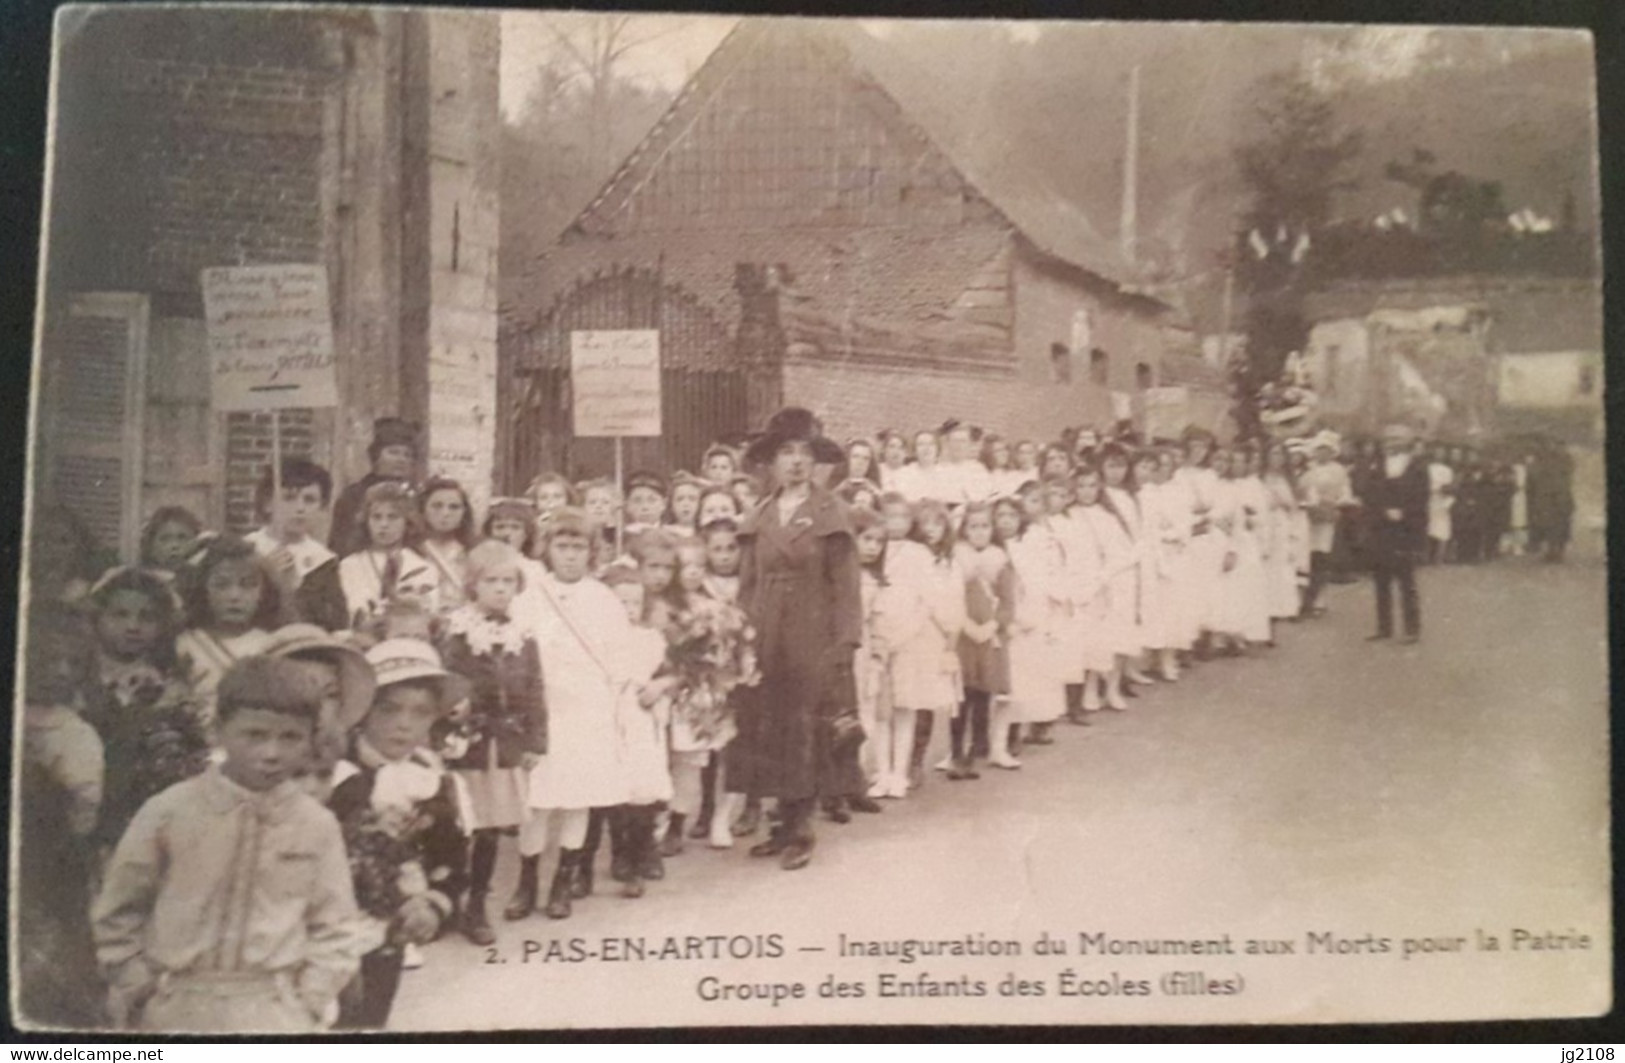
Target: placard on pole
270, 335
615, 390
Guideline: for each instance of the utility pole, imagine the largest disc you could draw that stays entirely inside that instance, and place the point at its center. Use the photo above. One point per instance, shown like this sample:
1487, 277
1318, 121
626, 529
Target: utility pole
1129, 224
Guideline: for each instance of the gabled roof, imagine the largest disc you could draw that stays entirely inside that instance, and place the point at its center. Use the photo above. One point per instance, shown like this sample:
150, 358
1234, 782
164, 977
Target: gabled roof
1049, 221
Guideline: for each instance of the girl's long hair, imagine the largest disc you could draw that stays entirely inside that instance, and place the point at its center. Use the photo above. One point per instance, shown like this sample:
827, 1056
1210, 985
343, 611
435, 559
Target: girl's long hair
193, 583
940, 551
166, 515
862, 521
1015, 506
464, 532
164, 603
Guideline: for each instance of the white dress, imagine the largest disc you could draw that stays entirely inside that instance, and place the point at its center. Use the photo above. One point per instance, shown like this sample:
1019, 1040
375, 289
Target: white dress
1156, 628
585, 641
205, 657
449, 563
642, 731
1440, 476
361, 577
1176, 504
1284, 545
1245, 588
1120, 603
1324, 486
1209, 544
1128, 594
1040, 664
1084, 624
923, 612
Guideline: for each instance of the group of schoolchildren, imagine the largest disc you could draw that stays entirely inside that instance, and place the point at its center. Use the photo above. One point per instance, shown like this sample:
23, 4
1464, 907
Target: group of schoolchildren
261, 772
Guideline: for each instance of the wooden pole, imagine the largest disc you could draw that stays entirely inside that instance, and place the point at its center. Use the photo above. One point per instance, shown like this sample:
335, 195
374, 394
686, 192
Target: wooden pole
620, 491
276, 459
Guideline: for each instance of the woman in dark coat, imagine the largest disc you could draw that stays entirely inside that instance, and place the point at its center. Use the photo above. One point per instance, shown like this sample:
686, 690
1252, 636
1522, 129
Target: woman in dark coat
799, 586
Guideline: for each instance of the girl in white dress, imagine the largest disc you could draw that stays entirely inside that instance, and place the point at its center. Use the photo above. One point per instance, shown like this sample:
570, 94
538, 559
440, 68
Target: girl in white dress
1037, 658
583, 632
871, 666
925, 671
1178, 505
386, 570
997, 457
1285, 536
1076, 622
894, 471
448, 533
927, 480
1156, 627
1248, 465
901, 611
1109, 595
1210, 543
1128, 593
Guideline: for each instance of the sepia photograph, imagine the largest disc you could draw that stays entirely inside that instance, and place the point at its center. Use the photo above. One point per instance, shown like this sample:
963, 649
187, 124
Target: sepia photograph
561, 520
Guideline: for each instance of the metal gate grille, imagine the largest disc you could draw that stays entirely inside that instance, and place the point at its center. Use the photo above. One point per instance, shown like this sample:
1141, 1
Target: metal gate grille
703, 396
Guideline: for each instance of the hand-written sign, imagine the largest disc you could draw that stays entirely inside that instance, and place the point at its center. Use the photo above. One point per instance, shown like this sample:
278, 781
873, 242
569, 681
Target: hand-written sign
615, 381
270, 337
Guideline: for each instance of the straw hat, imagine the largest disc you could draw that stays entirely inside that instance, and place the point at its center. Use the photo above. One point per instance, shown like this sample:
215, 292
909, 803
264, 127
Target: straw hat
356, 681
404, 660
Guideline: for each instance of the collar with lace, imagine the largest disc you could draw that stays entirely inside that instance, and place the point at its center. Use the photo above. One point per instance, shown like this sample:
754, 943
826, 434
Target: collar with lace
486, 634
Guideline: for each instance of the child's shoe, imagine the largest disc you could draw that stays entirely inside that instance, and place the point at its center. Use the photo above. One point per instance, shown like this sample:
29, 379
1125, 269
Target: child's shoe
672, 843
523, 901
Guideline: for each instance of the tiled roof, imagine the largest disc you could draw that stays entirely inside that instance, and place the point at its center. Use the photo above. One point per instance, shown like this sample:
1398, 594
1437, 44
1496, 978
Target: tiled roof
906, 276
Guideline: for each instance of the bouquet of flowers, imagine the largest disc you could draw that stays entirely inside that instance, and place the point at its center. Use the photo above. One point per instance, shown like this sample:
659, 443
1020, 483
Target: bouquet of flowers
170, 743
711, 649
384, 863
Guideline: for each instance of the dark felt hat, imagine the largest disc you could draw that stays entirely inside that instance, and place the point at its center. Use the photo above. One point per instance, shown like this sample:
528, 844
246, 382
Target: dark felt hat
790, 425
394, 432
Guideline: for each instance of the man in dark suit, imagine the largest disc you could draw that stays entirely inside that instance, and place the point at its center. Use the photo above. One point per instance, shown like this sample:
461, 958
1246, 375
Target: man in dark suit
1396, 508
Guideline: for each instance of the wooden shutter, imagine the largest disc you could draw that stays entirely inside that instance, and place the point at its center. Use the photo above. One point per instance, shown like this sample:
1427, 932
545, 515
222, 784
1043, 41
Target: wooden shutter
91, 428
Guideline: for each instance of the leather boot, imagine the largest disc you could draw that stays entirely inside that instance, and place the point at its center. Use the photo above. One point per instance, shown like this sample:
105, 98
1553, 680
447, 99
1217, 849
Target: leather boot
916, 757
581, 884
776, 841
798, 835
640, 840
476, 927
482, 859
558, 896
620, 866
750, 819
672, 843
523, 901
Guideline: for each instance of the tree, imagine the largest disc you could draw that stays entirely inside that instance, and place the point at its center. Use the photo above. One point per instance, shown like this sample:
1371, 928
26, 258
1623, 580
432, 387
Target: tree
1292, 172
580, 119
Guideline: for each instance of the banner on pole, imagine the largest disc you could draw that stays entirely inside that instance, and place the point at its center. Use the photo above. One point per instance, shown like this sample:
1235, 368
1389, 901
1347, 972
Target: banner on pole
615, 381
270, 337
1167, 412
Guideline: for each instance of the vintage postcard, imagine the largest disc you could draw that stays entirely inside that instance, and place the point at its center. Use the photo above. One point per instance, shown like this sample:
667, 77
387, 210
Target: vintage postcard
554, 520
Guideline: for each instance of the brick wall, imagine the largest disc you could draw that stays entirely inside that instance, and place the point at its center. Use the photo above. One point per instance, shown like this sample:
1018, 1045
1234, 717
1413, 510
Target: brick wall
248, 455
223, 166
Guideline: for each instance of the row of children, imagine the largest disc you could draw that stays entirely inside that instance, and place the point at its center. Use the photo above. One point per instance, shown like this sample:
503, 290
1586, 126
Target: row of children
567, 689
156, 698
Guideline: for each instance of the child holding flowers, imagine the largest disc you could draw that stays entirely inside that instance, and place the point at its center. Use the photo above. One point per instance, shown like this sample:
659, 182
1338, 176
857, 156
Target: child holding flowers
398, 810
506, 729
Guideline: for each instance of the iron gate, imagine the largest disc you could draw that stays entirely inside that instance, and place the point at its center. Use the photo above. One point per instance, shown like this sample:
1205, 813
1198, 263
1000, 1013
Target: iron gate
703, 393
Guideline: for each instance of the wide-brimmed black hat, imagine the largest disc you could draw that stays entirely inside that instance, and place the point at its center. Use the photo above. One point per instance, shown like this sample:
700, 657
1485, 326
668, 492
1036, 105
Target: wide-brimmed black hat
792, 424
